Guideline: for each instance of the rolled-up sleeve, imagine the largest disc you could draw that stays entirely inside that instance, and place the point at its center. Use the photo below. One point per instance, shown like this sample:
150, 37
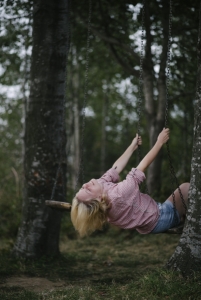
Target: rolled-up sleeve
138, 175
110, 176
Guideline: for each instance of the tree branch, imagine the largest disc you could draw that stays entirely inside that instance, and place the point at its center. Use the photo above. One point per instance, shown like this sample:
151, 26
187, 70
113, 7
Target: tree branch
111, 40
190, 93
122, 62
114, 41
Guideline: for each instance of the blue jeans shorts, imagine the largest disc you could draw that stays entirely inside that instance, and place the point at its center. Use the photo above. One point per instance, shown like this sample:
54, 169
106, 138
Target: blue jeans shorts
168, 218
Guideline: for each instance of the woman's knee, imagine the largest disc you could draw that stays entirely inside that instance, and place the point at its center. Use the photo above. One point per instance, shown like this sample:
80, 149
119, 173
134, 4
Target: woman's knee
184, 189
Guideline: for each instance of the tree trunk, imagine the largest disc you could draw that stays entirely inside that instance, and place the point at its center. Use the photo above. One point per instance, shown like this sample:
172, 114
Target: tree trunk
187, 256
76, 161
74, 119
45, 139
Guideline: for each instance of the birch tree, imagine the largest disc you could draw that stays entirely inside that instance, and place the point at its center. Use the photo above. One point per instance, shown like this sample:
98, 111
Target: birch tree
44, 131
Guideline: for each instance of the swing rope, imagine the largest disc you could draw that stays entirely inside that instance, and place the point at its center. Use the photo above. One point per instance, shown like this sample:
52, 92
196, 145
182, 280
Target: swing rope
81, 164
172, 171
139, 110
62, 141
57, 204
140, 92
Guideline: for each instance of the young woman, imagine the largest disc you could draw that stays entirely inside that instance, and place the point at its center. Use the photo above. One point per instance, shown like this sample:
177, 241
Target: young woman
122, 203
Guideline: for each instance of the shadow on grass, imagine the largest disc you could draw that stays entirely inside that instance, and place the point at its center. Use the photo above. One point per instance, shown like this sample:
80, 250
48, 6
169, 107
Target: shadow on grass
16, 293
95, 258
114, 265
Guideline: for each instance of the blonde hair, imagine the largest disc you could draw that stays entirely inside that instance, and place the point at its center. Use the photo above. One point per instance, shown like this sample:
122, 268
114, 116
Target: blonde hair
90, 216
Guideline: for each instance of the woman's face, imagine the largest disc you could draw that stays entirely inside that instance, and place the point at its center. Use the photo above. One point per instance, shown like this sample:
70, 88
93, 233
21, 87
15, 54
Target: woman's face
90, 190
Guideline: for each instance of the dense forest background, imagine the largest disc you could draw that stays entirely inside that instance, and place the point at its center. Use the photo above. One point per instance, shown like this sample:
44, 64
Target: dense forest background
111, 91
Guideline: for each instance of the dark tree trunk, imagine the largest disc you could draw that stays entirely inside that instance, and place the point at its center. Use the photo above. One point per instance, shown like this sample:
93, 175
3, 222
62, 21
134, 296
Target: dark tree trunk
187, 256
44, 131
76, 116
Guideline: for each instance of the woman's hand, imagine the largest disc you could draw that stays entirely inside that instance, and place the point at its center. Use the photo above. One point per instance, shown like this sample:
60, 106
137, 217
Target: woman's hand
151, 155
164, 136
137, 141
122, 161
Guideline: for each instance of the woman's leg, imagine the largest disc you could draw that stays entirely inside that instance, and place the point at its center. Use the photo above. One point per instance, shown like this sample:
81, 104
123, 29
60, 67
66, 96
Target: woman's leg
184, 187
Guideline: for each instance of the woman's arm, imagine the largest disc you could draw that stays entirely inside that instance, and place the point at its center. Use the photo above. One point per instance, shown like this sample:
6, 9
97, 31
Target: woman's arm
148, 159
122, 161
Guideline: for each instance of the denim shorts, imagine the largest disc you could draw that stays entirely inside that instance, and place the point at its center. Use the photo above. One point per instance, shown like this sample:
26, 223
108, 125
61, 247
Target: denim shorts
168, 218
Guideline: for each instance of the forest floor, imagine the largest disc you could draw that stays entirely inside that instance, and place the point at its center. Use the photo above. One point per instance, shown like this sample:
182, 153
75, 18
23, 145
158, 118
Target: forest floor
112, 265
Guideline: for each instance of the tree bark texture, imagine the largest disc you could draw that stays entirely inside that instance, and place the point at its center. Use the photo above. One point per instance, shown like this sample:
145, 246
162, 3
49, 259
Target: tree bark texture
76, 115
45, 138
187, 256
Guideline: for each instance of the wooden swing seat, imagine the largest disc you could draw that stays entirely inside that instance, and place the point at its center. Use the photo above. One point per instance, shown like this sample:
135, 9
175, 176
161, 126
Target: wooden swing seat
58, 205
67, 206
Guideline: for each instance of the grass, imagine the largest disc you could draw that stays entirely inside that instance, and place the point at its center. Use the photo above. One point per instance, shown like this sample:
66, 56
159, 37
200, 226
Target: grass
113, 265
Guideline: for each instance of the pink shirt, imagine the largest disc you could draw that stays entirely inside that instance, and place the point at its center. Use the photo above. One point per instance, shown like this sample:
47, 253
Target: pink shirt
130, 209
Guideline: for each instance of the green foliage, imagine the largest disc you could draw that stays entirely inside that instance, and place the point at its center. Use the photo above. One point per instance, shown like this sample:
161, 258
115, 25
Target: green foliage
10, 172
15, 64
107, 74
109, 84
116, 265
11, 167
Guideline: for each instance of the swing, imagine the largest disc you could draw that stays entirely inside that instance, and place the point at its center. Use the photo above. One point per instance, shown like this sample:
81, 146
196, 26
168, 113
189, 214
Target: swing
178, 229
58, 205
63, 206
67, 206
